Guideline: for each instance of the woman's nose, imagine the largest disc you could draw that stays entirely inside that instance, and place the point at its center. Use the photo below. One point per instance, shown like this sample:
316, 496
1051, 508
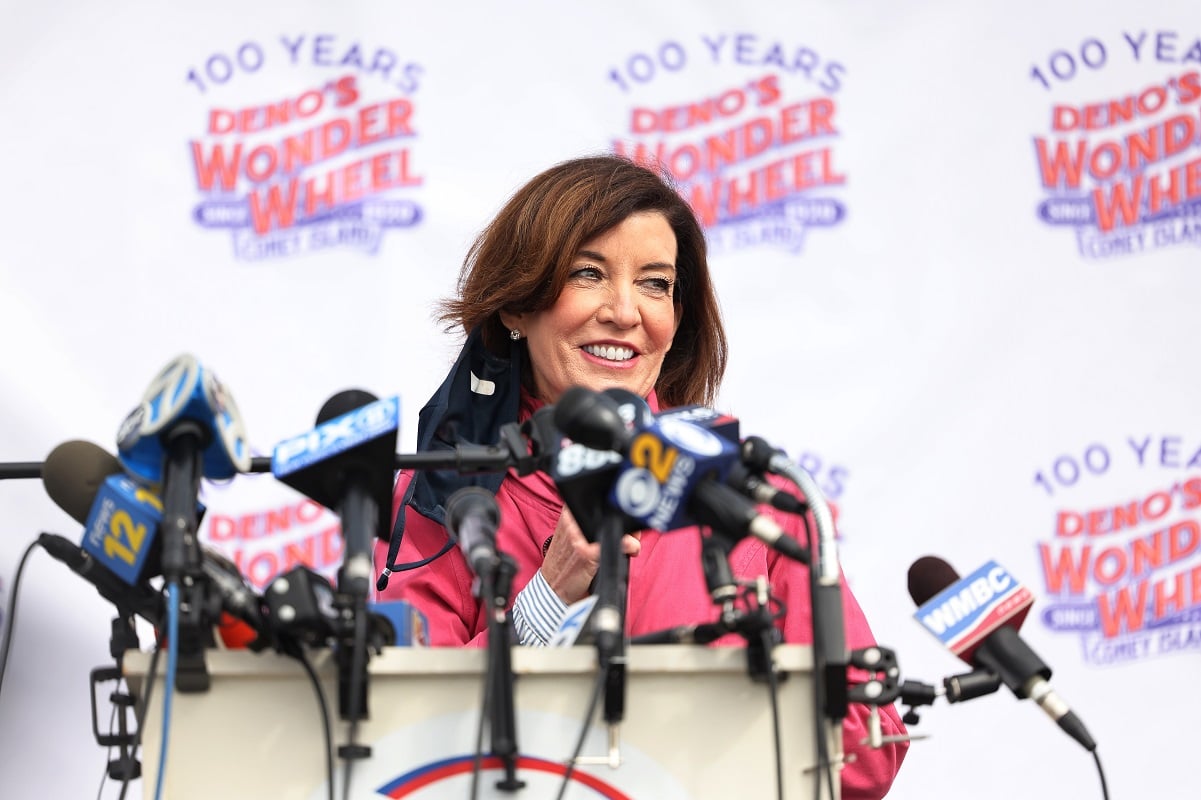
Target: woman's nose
621, 308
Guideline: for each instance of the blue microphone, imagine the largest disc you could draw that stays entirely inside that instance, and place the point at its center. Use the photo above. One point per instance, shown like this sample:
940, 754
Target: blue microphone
184, 390
119, 551
346, 464
186, 427
672, 472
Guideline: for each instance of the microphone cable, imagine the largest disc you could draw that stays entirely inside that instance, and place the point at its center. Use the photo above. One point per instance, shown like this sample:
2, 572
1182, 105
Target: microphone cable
477, 761
593, 702
297, 652
112, 721
773, 694
169, 682
12, 612
1101, 773
140, 713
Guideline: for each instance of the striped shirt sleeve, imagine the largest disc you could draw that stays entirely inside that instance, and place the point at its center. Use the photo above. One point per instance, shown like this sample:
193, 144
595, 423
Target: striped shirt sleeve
537, 612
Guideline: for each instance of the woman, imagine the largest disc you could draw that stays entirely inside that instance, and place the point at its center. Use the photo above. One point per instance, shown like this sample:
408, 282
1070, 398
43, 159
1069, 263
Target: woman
595, 274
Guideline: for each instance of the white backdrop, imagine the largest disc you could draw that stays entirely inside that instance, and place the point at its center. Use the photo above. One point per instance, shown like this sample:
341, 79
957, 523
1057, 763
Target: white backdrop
954, 333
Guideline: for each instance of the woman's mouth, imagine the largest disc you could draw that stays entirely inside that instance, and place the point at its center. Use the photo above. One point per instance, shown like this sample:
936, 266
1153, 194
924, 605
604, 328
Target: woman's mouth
609, 352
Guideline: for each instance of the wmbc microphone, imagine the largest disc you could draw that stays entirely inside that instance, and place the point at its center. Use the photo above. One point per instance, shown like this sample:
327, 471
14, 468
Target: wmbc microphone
977, 618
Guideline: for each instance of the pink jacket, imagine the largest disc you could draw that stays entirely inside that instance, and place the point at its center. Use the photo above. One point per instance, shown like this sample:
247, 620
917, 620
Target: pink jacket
666, 589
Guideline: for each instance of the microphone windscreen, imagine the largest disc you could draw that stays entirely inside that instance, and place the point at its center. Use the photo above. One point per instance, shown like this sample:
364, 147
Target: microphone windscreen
73, 473
468, 501
343, 403
928, 576
590, 418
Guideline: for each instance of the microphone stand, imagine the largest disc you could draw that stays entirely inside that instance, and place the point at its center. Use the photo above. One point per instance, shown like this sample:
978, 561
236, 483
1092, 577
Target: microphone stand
495, 586
182, 469
724, 590
608, 621
830, 656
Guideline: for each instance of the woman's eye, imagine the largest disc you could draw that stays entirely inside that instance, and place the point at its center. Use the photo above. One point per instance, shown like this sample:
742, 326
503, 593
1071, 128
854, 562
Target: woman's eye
586, 273
659, 286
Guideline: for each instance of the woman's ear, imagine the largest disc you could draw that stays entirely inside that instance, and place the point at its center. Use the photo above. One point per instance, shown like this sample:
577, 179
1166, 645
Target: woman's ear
511, 321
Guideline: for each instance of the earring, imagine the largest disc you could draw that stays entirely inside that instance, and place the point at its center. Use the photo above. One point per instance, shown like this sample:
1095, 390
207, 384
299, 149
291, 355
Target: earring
515, 335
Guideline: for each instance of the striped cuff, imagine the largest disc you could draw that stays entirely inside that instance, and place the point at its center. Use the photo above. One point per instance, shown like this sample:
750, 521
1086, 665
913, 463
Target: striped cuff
537, 612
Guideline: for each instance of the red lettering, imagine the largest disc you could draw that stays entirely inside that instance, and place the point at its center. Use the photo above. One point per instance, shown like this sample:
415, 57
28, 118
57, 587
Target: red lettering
1183, 539
1063, 567
1068, 523
218, 166
1125, 611
220, 527
1064, 167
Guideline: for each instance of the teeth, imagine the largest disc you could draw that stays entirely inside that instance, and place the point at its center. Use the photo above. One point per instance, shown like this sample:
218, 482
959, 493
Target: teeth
610, 353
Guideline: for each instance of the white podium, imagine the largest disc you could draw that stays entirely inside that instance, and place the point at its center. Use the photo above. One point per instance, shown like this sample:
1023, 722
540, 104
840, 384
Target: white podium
695, 726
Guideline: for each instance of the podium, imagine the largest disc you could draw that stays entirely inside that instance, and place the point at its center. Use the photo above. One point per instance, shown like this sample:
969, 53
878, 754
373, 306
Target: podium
695, 726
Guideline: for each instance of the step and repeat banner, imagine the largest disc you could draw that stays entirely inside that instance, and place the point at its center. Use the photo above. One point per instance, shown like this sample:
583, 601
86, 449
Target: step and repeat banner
956, 247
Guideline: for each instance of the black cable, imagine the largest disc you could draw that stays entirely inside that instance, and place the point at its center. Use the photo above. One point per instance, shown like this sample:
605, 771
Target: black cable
326, 724
485, 704
12, 612
1101, 773
773, 693
112, 718
593, 702
140, 714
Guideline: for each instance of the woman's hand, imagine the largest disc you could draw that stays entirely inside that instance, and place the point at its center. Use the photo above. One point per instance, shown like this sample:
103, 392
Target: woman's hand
571, 560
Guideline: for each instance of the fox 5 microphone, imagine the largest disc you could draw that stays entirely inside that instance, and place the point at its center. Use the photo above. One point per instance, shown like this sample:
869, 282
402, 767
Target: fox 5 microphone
672, 473
186, 427
120, 548
977, 618
346, 464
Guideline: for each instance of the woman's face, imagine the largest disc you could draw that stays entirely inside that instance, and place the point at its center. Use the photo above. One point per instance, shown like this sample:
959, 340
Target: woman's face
614, 321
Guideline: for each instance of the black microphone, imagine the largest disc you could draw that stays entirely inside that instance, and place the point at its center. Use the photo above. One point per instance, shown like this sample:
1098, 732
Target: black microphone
1002, 651
669, 478
472, 517
345, 464
755, 486
140, 599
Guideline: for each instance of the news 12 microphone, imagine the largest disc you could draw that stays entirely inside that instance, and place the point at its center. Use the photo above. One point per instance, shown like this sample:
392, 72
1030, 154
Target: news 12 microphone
672, 473
977, 618
121, 522
346, 464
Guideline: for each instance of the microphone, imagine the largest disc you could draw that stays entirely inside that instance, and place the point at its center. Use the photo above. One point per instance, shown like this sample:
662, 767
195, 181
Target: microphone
184, 391
121, 520
120, 517
140, 599
672, 473
186, 427
978, 618
472, 517
346, 465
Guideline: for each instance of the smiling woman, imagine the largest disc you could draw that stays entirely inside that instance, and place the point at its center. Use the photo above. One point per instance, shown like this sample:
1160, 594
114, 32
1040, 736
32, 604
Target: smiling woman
613, 323
593, 274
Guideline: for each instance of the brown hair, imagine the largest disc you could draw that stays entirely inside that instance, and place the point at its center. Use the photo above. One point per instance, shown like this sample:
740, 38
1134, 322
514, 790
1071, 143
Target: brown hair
521, 261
